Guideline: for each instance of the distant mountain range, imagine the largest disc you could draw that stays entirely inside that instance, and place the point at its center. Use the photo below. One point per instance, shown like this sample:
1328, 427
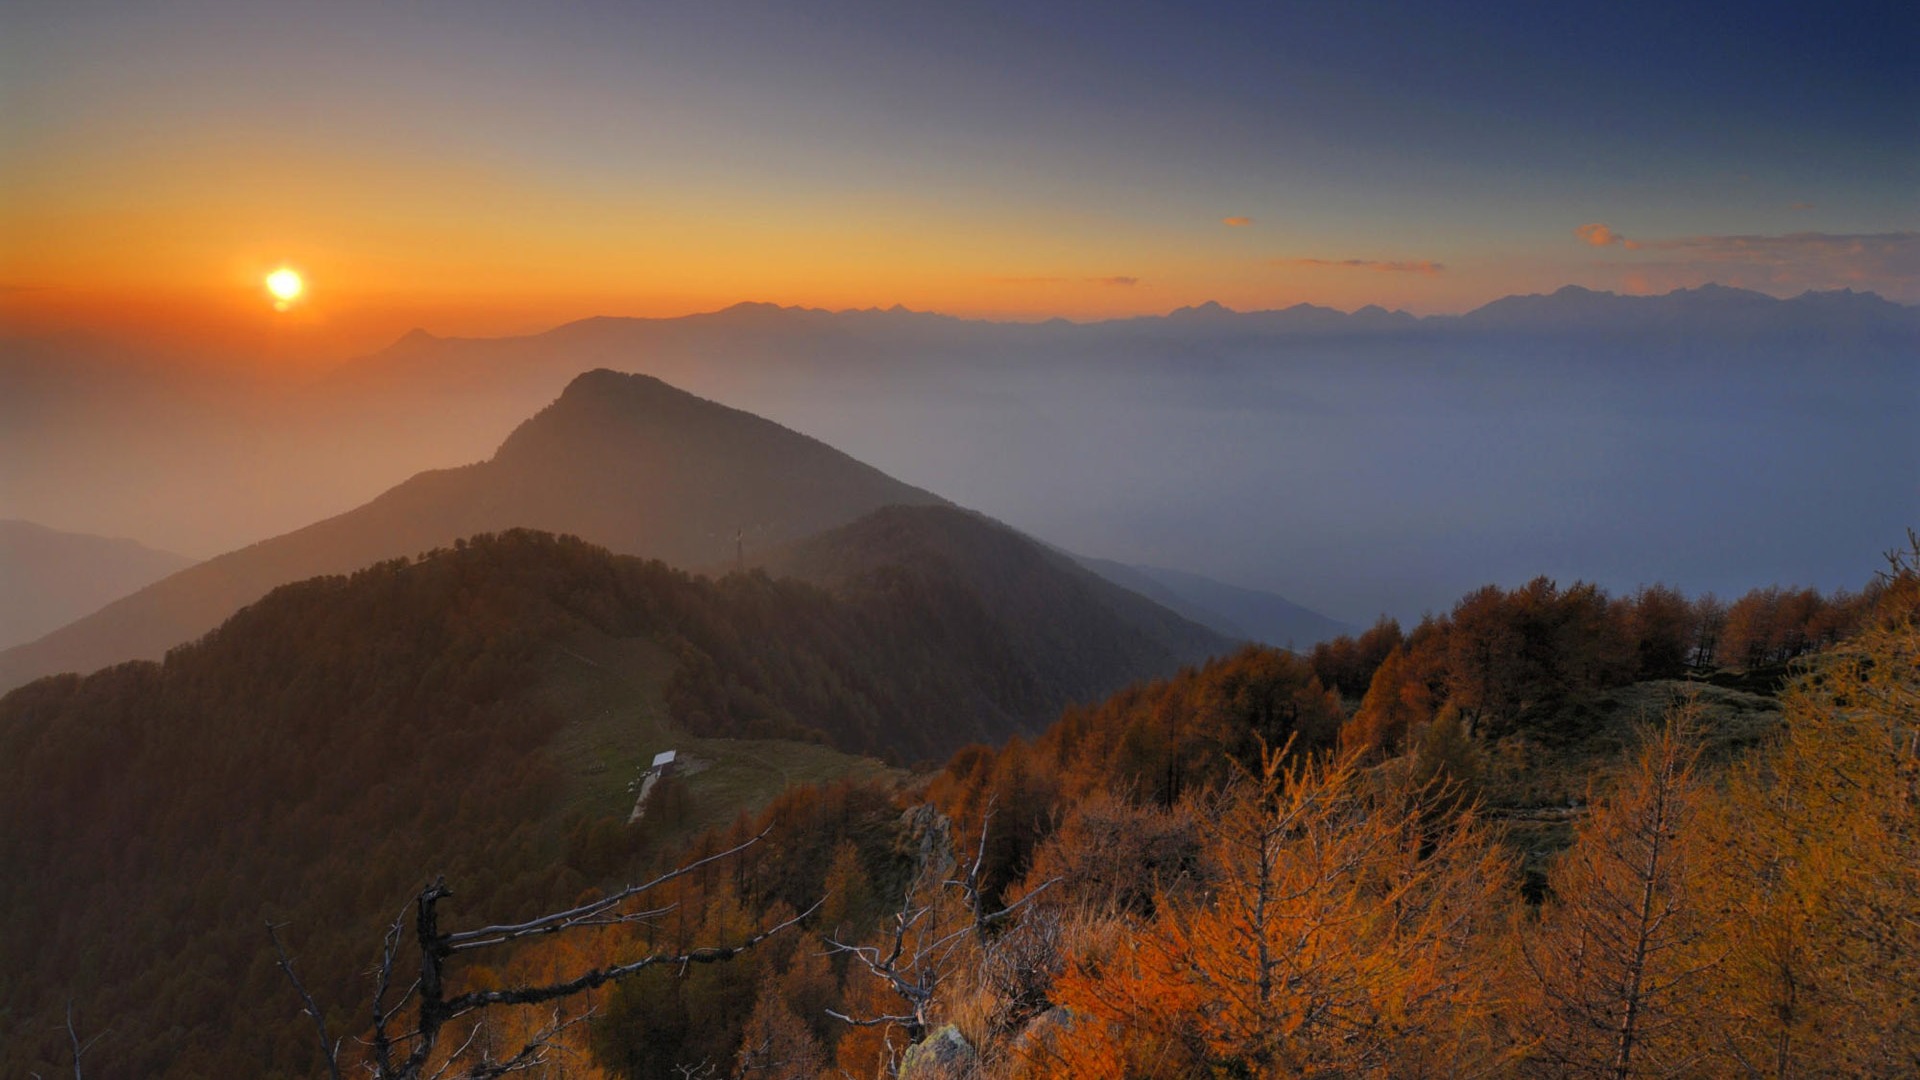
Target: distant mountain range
49, 578
1237, 613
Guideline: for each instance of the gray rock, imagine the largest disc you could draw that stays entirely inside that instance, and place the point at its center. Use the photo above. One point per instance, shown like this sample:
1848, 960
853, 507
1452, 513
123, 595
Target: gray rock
944, 1055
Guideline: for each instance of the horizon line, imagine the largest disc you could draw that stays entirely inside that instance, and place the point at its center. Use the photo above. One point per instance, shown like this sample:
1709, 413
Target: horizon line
1204, 306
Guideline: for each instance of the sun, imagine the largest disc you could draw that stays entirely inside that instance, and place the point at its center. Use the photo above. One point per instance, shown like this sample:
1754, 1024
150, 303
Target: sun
285, 285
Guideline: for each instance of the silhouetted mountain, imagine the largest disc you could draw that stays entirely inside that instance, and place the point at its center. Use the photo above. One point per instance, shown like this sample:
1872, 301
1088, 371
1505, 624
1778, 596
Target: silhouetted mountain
1058, 632
1234, 612
625, 461
49, 578
1300, 320
1709, 310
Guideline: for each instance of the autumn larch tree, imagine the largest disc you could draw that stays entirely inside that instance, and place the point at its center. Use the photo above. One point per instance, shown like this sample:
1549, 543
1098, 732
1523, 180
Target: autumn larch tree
1816, 850
1340, 936
1612, 974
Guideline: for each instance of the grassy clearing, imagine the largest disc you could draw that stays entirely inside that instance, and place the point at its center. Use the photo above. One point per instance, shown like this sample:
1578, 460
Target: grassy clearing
1538, 788
1528, 771
612, 690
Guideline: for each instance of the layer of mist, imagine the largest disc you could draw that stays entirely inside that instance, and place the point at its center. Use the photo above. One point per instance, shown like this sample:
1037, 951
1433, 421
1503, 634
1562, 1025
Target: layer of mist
1712, 438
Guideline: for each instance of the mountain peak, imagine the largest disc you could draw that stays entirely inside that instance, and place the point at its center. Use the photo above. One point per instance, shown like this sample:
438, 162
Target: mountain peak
600, 382
760, 309
604, 413
1211, 309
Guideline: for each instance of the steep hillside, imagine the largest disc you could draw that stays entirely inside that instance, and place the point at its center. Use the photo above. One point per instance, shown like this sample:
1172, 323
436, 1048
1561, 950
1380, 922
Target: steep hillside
621, 460
477, 712
49, 578
1060, 632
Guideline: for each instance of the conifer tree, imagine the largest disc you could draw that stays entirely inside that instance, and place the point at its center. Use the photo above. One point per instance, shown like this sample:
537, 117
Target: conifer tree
1817, 882
1612, 971
1339, 938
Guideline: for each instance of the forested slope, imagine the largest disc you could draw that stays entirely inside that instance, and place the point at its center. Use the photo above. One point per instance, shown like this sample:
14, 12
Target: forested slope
327, 747
1217, 874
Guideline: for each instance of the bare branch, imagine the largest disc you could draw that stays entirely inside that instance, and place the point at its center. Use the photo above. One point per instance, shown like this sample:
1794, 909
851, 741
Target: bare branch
561, 920
329, 1052
383, 978
870, 1021
79, 1048
455, 1056
534, 995
915, 975
433, 1006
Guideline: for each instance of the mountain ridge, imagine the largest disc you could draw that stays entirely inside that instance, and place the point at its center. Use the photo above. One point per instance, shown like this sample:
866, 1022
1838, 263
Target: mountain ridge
1031, 605
50, 577
1233, 611
622, 460
1302, 315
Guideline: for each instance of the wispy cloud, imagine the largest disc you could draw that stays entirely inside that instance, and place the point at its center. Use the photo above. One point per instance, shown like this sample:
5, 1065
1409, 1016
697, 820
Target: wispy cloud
1425, 267
1856, 255
1887, 263
1602, 236
1800, 206
1236, 222
1117, 279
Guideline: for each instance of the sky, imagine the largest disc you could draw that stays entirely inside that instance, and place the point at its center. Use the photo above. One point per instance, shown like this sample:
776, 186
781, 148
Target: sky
481, 168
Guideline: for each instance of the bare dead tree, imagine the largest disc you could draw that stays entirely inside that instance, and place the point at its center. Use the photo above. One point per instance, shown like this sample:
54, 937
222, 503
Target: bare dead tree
79, 1048
329, 1052
405, 1034
926, 942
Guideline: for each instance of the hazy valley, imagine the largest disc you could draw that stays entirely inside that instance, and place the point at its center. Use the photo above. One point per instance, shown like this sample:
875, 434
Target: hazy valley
1353, 463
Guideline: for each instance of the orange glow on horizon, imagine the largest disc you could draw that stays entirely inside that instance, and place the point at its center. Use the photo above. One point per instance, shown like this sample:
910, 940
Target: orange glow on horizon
425, 244
223, 322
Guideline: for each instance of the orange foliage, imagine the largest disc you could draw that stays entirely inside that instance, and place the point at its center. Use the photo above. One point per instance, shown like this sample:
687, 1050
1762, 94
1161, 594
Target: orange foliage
1397, 703
1338, 936
1613, 973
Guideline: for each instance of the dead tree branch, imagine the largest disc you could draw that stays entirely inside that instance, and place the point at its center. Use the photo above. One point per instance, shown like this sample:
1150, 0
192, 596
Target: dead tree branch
430, 1004
79, 1048
329, 1052
924, 949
